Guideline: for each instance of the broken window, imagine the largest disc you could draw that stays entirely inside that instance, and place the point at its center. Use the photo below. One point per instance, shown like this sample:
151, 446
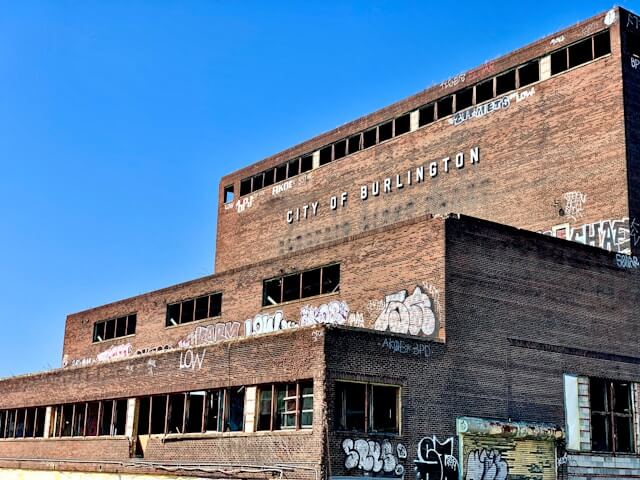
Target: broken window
98, 331
39, 422
20, 418
370, 138
235, 417
269, 177
340, 149
285, 406
78, 420
464, 99
93, 412
602, 44
402, 124
107, 418
306, 163
506, 82
228, 194
110, 329
311, 283
580, 53
207, 306
484, 91
144, 411
175, 417
214, 410
294, 168
291, 288
281, 172
385, 131
265, 408
3, 418
194, 411
121, 326
367, 408
258, 182
245, 186
559, 61
67, 420
29, 422
11, 423
355, 143
426, 115
445, 106
301, 285
331, 278
158, 413
611, 416
272, 292
114, 328
529, 73
326, 155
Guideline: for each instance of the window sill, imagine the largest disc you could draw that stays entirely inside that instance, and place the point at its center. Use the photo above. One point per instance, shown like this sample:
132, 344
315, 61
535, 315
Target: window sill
102, 342
301, 300
64, 439
196, 322
210, 435
368, 434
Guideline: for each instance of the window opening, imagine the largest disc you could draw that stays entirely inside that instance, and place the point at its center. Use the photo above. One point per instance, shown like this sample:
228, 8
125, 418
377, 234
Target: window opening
175, 417
306, 163
505, 82
281, 172
228, 194
611, 416
355, 143
269, 177
559, 61
258, 182
301, 285
294, 168
385, 131
580, 53
529, 73
326, 155
602, 44
194, 415
245, 186
402, 124
445, 106
340, 149
484, 91
464, 99
367, 408
426, 115
370, 138
207, 306
158, 413
235, 418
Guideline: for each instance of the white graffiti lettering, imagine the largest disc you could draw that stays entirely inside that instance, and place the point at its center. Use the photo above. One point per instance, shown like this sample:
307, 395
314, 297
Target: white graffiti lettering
485, 109
190, 360
574, 203
332, 313
267, 323
612, 235
115, 352
557, 40
371, 456
453, 81
435, 460
210, 334
635, 63
486, 465
627, 261
408, 314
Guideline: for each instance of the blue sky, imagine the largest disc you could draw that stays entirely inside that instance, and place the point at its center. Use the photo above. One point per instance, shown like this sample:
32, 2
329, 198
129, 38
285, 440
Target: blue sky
118, 118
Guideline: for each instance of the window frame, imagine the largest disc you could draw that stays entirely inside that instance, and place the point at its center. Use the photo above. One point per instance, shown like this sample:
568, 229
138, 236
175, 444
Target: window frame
171, 324
269, 301
130, 318
609, 414
340, 410
273, 388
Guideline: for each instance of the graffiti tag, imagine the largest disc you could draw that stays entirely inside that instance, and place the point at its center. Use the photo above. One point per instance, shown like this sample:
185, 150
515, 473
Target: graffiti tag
408, 314
371, 456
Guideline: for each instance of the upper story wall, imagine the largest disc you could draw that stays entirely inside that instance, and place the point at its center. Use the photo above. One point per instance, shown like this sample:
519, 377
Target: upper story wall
390, 279
551, 154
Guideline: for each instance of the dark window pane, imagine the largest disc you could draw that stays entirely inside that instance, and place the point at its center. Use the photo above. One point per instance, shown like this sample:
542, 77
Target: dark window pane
350, 406
484, 91
121, 327
559, 61
384, 409
529, 73
385, 131
354, 143
325, 155
110, 330
445, 106
506, 82
311, 283
120, 421
67, 418
98, 332
11, 423
30, 416
402, 124
143, 416
245, 186
600, 433
369, 138
92, 419
598, 394
176, 413
202, 308
131, 324
78, 420
331, 279
306, 163
286, 413
624, 434
3, 417
427, 115
258, 182
158, 413
264, 408
195, 408
228, 194
215, 305
291, 290
41, 413
272, 292
621, 397
187, 311
464, 99
269, 177
294, 167
340, 149
235, 418
215, 403
173, 314
107, 417
20, 423
602, 44
281, 172
580, 53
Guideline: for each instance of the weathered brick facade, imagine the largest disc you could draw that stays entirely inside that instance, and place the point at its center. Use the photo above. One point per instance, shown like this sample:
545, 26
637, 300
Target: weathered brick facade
449, 346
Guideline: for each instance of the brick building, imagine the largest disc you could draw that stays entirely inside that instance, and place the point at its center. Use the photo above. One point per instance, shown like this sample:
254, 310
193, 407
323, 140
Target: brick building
371, 333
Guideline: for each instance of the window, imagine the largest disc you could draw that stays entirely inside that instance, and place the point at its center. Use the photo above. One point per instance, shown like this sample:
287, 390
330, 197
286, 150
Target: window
559, 61
269, 177
245, 186
339, 149
103, 418
365, 407
370, 138
299, 285
529, 73
506, 82
326, 155
285, 406
402, 124
484, 91
294, 168
114, 328
580, 53
385, 131
355, 143
207, 306
602, 44
611, 416
281, 172
445, 106
228, 194
464, 99
426, 115
306, 163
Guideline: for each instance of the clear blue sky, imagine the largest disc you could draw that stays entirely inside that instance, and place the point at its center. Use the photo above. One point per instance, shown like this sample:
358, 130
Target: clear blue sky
118, 118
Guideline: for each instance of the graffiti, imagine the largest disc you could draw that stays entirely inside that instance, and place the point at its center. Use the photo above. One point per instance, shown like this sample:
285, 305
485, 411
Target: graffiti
371, 456
453, 81
574, 204
267, 323
400, 346
283, 187
627, 261
433, 293
436, 460
317, 335
612, 235
557, 40
115, 352
610, 17
634, 232
632, 21
486, 465
484, 109
160, 348
375, 306
210, 334
635, 62
355, 320
408, 314
244, 204
332, 313
190, 360
151, 365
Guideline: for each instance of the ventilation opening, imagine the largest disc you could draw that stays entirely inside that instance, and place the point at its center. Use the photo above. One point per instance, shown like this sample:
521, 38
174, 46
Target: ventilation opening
306, 163
325, 155
403, 124
426, 115
294, 168
340, 150
355, 143
369, 138
559, 61
602, 44
445, 106
580, 53
245, 187
464, 99
529, 73
269, 177
484, 91
506, 82
228, 194
281, 172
